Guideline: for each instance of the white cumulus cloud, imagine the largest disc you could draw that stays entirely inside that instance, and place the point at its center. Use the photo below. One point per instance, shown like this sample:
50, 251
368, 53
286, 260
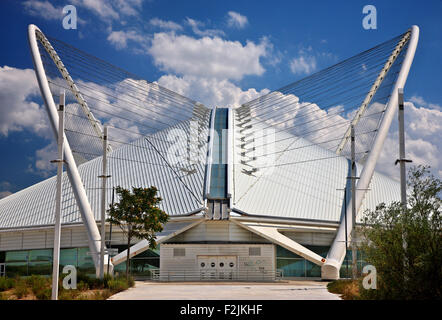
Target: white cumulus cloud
197, 29
210, 91
120, 38
236, 20
303, 64
423, 129
167, 25
207, 57
18, 111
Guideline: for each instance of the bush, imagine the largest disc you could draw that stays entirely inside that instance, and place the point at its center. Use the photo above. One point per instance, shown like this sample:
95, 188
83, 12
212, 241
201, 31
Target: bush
44, 294
348, 289
21, 288
117, 285
82, 286
38, 283
413, 271
6, 283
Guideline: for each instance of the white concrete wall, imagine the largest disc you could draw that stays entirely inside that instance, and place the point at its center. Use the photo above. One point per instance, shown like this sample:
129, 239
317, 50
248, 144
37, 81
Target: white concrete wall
265, 262
71, 237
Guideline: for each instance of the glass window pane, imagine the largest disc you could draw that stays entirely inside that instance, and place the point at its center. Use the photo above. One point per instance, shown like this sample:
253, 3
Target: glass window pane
85, 262
40, 255
14, 269
313, 270
17, 256
40, 268
291, 267
284, 253
68, 257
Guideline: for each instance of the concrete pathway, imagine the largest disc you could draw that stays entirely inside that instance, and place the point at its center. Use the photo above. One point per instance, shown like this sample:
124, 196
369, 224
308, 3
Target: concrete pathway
289, 290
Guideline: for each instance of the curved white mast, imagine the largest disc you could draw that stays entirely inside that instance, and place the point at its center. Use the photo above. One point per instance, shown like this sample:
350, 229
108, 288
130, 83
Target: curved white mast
330, 269
71, 167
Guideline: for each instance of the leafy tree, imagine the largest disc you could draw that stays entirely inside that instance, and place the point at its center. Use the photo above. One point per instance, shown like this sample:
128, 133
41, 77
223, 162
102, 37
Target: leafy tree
138, 216
405, 244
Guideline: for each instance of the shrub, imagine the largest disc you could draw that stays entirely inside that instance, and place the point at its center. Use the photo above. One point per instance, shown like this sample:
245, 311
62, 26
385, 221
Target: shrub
6, 283
82, 286
117, 285
21, 288
38, 284
348, 289
413, 271
44, 294
68, 294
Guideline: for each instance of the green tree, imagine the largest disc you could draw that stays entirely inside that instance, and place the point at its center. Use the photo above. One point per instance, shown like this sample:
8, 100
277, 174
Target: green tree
138, 216
405, 244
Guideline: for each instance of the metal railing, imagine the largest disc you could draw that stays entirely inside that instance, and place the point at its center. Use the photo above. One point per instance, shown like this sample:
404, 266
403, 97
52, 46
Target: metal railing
2, 269
215, 275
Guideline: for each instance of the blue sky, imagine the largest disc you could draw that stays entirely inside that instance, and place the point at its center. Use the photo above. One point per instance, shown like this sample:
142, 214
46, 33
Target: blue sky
147, 37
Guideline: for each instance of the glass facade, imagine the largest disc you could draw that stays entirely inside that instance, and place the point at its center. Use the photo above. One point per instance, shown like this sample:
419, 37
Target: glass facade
293, 265
39, 262
218, 173
141, 264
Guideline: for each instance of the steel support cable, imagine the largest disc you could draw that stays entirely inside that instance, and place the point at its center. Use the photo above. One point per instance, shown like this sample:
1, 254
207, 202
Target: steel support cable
281, 99
120, 142
294, 135
305, 161
321, 93
141, 134
307, 98
121, 159
127, 143
290, 128
92, 95
114, 115
307, 114
333, 68
288, 98
323, 84
81, 76
124, 83
306, 105
107, 66
173, 170
312, 145
92, 107
57, 72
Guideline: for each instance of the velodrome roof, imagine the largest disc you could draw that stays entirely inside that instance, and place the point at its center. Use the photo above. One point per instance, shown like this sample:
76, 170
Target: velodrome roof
133, 165
307, 190
297, 187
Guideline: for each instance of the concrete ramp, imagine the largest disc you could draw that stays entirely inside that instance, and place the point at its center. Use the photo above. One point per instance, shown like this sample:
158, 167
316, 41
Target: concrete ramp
271, 233
170, 230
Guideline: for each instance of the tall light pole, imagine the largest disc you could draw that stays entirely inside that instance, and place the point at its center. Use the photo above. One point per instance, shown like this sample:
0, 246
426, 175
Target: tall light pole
353, 204
57, 227
402, 162
402, 159
103, 202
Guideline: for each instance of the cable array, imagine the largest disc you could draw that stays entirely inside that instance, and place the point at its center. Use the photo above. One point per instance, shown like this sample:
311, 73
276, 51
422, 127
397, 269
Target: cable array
320, 108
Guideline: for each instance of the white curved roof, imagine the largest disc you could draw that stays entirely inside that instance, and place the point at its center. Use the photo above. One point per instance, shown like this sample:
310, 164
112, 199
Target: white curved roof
305, 182
134, 165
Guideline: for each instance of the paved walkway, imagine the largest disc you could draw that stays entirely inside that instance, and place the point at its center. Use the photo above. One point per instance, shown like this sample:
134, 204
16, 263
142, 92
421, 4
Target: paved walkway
290, 290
